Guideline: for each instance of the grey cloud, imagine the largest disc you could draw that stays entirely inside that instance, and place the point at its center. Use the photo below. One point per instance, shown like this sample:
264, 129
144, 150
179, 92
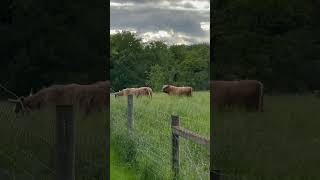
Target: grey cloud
188, 5
148, 18
154, 20
149, 1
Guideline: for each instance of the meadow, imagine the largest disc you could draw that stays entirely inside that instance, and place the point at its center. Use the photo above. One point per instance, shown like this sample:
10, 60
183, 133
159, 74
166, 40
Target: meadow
281, 143
27, 148
147, 150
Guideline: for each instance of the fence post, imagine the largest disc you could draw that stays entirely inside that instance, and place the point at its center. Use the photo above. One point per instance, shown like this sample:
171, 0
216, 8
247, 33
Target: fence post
130, 113
65, 142
175, 147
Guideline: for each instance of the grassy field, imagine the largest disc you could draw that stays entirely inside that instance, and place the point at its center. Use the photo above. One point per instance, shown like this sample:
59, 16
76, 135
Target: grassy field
147, 150
118, 169
281, 143
27, 148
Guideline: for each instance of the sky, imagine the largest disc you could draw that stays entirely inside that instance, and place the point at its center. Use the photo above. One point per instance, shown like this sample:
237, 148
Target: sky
170, 21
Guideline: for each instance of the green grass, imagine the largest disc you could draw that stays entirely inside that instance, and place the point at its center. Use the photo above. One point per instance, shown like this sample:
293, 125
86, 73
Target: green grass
27, 148
118, 169
148, 149
281, 143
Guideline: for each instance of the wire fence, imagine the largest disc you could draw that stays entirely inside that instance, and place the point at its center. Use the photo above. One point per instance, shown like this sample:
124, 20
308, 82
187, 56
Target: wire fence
28, 144
152, 136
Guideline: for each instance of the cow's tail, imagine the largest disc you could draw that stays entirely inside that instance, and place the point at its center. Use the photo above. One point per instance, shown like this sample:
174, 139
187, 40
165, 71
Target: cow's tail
261, 98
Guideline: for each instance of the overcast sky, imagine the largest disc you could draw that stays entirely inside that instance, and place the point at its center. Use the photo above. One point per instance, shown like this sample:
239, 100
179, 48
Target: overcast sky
171, 21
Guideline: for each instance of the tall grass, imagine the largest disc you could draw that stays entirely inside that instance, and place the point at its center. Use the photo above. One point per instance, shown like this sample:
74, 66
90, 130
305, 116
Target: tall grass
27, 148
283, 142
118, 170
148, 148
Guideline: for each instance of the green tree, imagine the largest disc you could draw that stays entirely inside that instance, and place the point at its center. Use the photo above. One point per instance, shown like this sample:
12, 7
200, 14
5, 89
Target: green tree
134, 63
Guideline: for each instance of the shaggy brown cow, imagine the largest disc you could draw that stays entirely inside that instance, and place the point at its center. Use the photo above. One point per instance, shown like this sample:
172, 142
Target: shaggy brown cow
142, 91
47, 96
177, 91
149, 91
125, 92
90, 97
86, 97
243, 93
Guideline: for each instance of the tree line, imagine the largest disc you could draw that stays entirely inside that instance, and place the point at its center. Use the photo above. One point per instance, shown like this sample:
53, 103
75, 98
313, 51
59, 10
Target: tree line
134, 63
52, 42
274, 41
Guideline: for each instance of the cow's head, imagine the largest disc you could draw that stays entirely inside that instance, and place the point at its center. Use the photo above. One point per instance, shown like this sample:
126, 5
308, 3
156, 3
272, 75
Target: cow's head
21, 104
165, 88
120, 93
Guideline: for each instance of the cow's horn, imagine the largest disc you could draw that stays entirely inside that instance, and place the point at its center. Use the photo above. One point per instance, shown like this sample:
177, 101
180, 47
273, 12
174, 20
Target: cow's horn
21, 99
31, 92
164, 86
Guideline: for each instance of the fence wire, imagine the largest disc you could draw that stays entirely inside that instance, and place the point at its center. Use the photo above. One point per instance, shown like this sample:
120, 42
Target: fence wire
28, 145
152, 135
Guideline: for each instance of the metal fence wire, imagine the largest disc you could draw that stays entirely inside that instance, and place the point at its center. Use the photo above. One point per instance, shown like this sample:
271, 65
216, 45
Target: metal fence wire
28, 144
152, 135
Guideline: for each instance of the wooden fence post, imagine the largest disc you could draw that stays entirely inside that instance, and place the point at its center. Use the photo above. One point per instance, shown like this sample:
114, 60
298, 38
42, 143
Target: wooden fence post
175, 147
130, 113
65, 143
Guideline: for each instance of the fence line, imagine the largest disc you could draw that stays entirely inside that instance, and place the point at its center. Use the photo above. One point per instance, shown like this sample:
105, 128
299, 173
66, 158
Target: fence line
176, 132
21, 159
180, 131
29, 148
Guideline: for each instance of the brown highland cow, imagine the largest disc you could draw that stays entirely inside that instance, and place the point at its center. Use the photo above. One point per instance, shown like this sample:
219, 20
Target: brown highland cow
86, 97
142, 91
243, 93
177, 91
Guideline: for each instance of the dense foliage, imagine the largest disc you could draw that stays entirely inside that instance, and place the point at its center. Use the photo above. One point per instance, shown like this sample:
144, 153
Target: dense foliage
47, 42
275, 41
134, 63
